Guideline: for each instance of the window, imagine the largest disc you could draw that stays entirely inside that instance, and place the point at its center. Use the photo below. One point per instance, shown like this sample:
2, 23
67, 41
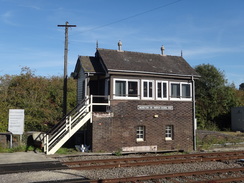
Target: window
169, 132
180, 91
120, 88
147, 89
125, 88
186, 91
162, 90
140, 133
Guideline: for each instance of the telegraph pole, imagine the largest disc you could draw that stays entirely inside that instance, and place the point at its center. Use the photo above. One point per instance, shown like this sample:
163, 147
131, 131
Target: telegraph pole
65, 66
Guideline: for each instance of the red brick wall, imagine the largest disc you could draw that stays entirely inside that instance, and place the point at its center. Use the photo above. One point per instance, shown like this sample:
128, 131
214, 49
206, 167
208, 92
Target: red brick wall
113, 133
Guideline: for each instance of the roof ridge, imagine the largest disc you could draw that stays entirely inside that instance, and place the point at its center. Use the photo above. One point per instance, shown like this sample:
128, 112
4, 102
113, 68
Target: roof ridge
137, 52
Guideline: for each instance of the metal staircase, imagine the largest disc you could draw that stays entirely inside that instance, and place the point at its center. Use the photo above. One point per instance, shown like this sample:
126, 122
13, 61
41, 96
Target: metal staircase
69, 125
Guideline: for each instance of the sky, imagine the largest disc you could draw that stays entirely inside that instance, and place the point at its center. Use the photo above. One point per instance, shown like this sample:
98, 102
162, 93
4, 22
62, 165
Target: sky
206, 31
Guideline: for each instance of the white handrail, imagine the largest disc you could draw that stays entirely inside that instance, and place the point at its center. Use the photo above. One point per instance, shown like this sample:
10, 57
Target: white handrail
78, 117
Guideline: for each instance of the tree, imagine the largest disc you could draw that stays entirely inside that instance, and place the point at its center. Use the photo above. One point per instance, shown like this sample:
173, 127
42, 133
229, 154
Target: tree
41, 98
214, 98
241, 87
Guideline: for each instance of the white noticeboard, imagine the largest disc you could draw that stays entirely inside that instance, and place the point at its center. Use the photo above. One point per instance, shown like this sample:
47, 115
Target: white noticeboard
16, 121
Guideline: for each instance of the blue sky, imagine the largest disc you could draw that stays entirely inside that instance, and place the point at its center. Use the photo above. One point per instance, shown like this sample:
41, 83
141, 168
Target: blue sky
207, 31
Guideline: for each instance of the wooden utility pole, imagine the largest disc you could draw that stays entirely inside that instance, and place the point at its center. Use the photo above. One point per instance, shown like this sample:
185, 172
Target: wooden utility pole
65, 66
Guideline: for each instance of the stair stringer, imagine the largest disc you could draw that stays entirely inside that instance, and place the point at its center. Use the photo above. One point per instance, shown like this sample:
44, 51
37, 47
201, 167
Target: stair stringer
68, 135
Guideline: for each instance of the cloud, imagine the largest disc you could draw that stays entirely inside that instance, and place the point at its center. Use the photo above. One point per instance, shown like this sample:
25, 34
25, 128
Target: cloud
7, 18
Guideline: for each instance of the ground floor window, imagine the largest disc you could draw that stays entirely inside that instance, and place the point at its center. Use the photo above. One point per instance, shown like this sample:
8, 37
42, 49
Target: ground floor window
140, 133
169, 132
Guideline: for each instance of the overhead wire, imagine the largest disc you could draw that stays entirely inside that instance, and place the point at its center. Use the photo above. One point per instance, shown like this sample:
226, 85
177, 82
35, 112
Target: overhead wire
132, 16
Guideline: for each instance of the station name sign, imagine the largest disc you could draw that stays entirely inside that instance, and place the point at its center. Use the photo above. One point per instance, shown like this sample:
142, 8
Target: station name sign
154, 107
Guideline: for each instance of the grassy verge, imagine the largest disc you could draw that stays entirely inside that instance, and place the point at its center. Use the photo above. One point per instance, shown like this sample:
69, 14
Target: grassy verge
222, 139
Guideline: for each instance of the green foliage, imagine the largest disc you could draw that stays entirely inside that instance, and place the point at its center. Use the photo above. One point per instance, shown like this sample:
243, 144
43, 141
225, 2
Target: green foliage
40, 97
66, 151
241, 87
118, 153
240, 96
214, 98
12, 150
210, 141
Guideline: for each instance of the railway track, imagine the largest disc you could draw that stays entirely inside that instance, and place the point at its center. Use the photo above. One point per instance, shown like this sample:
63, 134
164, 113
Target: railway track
227, 174
153, 160
206, 176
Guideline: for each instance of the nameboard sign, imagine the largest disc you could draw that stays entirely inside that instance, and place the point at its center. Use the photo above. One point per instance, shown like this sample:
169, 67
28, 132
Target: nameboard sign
154, 107
16, 121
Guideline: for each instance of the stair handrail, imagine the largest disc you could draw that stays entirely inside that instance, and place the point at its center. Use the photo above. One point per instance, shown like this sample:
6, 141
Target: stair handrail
63, 120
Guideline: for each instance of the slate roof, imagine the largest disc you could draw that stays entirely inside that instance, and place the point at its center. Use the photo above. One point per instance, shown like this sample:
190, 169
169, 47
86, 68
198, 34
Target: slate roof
89, 64
126, 61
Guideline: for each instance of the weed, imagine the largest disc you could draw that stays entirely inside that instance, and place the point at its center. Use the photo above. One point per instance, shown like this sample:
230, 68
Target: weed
66, 151
118, 153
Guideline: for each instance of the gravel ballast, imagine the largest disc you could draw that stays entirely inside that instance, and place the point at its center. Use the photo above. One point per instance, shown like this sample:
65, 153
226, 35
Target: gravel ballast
56, 175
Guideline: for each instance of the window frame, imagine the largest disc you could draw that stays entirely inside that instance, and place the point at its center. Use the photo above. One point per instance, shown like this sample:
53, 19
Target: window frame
126, 88
169, 132
148, 89
181, 91
140, 129
162, 90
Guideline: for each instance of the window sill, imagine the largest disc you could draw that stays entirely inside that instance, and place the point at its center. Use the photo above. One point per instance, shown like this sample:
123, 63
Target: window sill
138, 141
168, 139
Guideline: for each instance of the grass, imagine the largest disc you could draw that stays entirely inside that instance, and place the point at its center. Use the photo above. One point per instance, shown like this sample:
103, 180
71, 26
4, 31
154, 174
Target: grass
12, 150
66, 151
210, 141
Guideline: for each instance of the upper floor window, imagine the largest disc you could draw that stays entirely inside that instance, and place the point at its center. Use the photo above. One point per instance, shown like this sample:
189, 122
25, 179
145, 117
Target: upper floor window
125, 88
180, 91
147, 89
162, 90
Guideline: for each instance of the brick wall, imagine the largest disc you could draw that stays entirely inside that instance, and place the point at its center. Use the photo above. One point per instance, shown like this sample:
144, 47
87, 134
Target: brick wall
111, 133
3, 141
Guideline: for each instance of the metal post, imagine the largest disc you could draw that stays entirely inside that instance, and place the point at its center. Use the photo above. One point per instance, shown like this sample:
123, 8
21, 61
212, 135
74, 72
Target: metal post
11, 140
47, 144
91, 107
194, 115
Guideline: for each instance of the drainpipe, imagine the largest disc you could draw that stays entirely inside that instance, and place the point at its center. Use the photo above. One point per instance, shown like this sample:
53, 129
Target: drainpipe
194, 114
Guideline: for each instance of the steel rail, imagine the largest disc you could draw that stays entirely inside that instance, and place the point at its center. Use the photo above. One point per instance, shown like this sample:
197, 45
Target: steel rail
153, 160
189, 176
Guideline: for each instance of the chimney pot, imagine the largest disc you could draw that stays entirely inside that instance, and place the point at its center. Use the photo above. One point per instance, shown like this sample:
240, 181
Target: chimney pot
162, 49
119, 46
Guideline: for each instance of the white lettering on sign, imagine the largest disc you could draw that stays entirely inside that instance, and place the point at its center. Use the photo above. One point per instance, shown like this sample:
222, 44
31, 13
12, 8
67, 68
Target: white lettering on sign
16, 121
154, 107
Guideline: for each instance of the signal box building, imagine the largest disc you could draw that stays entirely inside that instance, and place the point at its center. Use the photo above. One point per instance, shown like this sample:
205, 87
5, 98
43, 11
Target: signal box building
141, 101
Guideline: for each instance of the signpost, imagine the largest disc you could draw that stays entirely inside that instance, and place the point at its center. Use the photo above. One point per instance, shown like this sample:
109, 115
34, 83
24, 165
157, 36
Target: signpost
16, 121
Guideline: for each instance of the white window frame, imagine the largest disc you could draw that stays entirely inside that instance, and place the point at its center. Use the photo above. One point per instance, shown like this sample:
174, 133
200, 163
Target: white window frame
140, 133
126, 88
162, 89
142, 90
181, 88
169, 132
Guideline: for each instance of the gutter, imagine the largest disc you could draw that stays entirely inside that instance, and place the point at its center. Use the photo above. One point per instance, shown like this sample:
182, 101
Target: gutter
153, 73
